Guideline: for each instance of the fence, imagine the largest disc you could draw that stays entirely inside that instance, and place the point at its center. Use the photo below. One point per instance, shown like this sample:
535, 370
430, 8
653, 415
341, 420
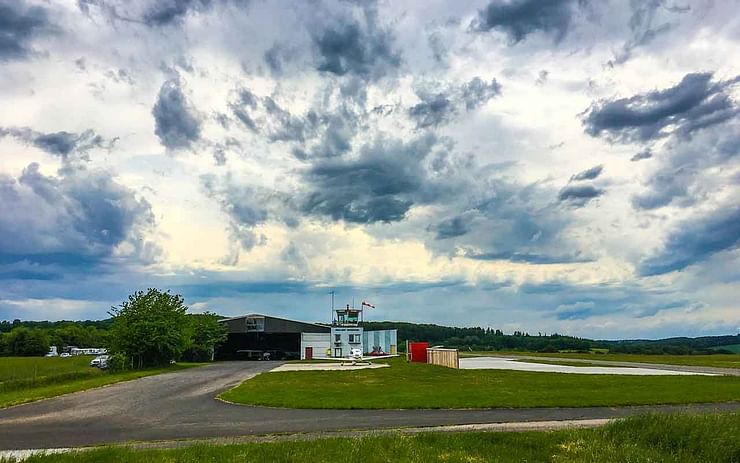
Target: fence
449, 358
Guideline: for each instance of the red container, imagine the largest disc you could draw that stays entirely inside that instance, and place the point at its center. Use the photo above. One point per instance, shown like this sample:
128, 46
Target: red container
418, 351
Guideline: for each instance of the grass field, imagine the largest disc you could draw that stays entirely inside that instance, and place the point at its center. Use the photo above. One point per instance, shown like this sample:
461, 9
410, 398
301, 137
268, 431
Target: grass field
27, 372
25, 379
677, 438
414, 385
714, 360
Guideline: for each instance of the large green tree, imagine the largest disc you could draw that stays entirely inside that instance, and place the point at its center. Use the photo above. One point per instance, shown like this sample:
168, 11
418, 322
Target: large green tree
207, 334
151, 328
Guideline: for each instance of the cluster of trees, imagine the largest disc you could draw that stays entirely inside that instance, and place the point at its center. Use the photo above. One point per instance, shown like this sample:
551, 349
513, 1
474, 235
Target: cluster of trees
153, 328
675, 346
34, 338
22, 341
477, 338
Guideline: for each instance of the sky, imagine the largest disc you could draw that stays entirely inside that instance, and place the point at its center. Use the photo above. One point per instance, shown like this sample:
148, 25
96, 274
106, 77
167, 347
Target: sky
567, 166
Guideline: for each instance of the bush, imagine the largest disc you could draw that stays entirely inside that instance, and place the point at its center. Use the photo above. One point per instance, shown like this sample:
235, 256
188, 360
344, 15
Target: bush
118, 362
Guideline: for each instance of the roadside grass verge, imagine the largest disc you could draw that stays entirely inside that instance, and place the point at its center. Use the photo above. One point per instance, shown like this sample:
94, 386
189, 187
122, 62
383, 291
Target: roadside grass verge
650, 438
713, 360
414, 385
76, 381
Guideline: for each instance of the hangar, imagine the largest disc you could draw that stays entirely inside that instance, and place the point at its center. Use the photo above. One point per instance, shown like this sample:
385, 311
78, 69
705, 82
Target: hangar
253, 335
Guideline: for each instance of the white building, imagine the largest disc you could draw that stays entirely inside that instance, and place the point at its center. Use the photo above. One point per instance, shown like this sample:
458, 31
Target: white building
346, 334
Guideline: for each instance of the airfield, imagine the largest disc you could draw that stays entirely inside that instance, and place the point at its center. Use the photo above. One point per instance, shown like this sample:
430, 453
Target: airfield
183, 405
510, 363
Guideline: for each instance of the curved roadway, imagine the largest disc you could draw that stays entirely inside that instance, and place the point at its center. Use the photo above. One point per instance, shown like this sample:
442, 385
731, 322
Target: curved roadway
181, 405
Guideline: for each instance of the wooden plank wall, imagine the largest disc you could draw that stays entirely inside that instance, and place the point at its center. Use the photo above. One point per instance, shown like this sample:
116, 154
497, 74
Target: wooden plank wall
449, 358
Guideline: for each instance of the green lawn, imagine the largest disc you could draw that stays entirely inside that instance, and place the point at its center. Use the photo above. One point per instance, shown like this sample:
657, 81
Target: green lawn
13, 368
25, 379
414, 385
677, 438
714, 360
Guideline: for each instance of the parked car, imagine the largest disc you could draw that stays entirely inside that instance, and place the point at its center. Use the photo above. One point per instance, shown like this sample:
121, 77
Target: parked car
101, 361
65, 355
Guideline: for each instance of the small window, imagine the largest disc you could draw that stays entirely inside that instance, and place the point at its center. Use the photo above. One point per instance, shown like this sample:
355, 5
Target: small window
337, 338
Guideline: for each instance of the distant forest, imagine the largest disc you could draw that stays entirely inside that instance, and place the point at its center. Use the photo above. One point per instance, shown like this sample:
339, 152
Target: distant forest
34, 338
493, 339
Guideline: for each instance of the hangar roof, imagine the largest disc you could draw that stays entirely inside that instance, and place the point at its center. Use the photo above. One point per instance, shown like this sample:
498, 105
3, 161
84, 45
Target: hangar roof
272, 324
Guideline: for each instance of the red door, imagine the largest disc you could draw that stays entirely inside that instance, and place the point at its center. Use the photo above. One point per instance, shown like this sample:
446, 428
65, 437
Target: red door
418, 351
309, 353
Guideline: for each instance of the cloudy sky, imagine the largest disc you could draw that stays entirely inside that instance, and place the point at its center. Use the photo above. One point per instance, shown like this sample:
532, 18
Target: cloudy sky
561, 166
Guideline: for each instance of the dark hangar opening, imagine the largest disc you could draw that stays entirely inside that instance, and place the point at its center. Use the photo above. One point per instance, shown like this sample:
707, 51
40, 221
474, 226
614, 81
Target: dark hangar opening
251, 336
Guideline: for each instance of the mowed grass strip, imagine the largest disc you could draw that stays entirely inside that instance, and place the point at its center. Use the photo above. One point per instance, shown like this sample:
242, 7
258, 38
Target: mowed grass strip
26, 379
414, 385
20, 368
652, 438
28, 372
713, 360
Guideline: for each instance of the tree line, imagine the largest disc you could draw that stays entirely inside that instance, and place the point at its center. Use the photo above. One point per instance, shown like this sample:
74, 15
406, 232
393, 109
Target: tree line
150, 328
154, 327
477, 338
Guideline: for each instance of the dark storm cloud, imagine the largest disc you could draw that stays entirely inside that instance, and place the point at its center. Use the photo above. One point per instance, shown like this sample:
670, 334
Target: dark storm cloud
642, 27
164, 12
20, 24
663, 188
579, 195
283, 126
176, 123
588, 174
348, 46
77, 218
577, 311
318, 133
450, 228
61, 144
644, 154
519, 18
692, 104
432, 111
380, 185
528, 258
438, 108
503, 220
477, 92
695, 240
153, 13
688, 170
247, 207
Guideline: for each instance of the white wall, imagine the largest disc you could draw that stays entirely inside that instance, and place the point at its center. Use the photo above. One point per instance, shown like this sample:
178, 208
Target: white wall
320, 342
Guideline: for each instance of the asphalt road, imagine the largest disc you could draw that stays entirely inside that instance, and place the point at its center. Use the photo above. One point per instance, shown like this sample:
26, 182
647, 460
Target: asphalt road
182, 405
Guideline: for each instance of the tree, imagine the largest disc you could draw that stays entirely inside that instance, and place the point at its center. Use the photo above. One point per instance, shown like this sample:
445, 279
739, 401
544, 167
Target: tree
25, 342
151, 328
208, 333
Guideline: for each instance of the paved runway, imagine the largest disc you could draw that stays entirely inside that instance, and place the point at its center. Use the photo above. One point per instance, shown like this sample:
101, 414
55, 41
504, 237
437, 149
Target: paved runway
181, 405
503, 363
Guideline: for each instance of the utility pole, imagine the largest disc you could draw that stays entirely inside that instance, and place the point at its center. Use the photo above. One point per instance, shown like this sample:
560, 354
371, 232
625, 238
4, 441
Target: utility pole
332, 306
